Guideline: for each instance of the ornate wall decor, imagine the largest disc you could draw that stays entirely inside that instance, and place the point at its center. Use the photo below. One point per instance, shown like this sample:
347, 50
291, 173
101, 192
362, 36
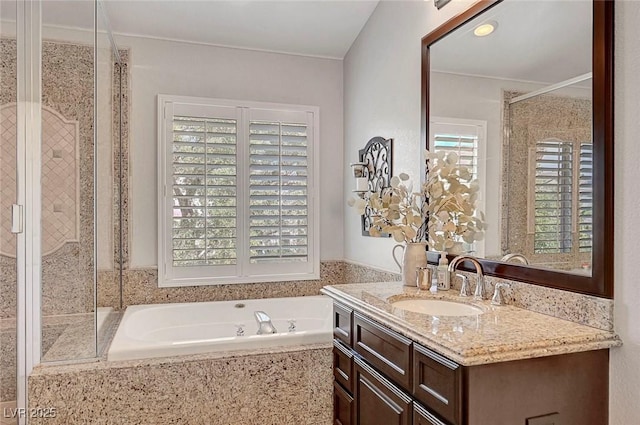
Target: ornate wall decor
376, 156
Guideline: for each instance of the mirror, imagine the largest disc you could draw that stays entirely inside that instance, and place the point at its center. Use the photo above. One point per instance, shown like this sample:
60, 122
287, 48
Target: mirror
522, 92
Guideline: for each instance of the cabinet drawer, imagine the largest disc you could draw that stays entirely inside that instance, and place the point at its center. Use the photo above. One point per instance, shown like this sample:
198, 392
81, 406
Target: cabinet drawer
377, 400
342, 406
437, 383
342, 324
422, 417
343, 365
386, 350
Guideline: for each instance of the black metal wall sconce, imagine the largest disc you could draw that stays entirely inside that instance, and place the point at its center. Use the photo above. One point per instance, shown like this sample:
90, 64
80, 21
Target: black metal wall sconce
372, 173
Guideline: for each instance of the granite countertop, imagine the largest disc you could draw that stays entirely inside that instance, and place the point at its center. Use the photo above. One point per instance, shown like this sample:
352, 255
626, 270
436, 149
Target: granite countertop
501, 333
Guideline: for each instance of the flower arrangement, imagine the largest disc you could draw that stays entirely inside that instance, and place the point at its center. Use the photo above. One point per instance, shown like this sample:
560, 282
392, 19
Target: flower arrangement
449, 198
453, 197
396, 210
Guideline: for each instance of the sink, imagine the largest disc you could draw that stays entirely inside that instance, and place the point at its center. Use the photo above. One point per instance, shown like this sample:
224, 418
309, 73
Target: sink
437, 307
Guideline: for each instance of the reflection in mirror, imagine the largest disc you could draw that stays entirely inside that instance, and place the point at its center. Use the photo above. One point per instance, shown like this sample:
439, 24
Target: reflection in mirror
516, 105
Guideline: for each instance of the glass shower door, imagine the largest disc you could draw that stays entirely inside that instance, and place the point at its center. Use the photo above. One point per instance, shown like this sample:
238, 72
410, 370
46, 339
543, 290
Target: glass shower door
8, 197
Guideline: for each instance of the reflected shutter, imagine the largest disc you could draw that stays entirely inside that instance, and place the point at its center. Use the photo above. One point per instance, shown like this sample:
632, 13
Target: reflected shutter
466, 146
585, 198
553, 196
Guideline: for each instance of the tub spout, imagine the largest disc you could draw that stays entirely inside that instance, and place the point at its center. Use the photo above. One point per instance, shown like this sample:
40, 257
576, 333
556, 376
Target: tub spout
264, 323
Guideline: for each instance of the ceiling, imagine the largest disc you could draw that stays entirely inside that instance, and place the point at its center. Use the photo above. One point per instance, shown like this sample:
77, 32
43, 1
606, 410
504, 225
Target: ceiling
540, 41
325, 28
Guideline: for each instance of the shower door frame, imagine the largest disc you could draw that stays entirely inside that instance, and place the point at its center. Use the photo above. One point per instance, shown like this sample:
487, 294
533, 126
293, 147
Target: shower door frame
28, 173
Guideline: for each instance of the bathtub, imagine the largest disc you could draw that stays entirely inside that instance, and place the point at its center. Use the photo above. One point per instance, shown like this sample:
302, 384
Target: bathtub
160, 330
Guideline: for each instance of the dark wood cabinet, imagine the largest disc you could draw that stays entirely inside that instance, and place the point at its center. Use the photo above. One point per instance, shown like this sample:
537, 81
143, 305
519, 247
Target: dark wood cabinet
343, 365
384, 378
342, 321
342, 406
377, 401
421, 416
388, 351
437, 383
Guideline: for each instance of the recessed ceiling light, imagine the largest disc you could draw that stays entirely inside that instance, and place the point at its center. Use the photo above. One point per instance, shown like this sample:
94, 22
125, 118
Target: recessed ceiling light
485, 29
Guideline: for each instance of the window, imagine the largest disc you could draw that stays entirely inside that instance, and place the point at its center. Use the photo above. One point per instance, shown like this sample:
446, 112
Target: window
467, 139
562, 196
237, 199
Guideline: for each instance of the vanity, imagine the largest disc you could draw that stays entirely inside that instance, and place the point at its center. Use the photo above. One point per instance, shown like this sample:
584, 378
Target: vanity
490, 365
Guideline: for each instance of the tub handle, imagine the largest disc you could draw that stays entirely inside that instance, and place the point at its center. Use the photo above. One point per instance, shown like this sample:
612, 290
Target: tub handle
240, 329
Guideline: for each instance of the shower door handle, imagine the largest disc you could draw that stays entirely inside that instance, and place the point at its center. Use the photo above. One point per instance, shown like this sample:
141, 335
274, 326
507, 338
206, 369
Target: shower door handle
17, 218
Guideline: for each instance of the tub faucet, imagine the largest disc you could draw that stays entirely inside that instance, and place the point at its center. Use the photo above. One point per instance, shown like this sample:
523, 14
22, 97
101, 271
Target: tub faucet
264, 323
480, 292
515, 256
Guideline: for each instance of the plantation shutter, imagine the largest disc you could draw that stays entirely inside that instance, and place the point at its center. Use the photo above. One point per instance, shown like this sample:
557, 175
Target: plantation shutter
585, 198
466, 146
553, 196
204, 191
237, 194
466, 138
278, 191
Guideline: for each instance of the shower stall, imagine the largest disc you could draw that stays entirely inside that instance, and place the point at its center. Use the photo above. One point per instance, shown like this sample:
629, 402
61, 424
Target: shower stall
61, 181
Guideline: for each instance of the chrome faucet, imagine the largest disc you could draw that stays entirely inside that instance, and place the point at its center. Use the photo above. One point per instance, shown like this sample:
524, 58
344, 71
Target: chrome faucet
480, 292
515, 256
264, 323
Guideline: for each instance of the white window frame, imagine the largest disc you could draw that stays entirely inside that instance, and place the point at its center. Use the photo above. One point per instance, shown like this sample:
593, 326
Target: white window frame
243, 271
481, 127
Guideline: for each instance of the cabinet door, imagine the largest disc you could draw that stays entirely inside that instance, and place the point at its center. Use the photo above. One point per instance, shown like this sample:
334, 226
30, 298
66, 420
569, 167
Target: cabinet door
343, 366
437, 383
342, 406
378, 401
342, 318
386, 350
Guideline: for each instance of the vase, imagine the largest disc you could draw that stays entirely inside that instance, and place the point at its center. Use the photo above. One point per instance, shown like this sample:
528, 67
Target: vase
414, 255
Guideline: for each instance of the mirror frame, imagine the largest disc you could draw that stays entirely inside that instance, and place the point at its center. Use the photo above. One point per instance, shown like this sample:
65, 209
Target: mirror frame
600, 283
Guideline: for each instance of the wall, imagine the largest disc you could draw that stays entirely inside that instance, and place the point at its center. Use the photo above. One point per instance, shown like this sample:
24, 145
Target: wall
382, 97
199, 70
480, 98
625, 361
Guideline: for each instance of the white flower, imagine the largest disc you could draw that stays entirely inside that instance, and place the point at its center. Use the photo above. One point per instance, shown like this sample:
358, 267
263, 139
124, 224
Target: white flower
453, 194
396, 210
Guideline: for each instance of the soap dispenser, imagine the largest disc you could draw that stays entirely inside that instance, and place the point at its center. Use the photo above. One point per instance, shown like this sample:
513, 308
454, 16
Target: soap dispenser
444, 276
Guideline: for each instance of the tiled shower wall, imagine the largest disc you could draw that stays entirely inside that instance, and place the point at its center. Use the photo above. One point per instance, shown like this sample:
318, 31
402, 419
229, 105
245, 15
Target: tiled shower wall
67, 176
526, 122
67, 193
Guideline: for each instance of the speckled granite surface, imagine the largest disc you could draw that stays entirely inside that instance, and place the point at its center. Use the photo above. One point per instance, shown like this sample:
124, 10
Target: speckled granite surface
499, 334
140, 286
584, 309
285, 387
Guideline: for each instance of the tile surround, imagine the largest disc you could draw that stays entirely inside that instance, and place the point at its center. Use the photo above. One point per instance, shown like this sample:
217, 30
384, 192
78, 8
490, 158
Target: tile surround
584, 309
140, 286
285, 387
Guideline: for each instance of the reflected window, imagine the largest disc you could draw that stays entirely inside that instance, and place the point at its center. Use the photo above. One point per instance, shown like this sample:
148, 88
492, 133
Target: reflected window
467, 139
562, 196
